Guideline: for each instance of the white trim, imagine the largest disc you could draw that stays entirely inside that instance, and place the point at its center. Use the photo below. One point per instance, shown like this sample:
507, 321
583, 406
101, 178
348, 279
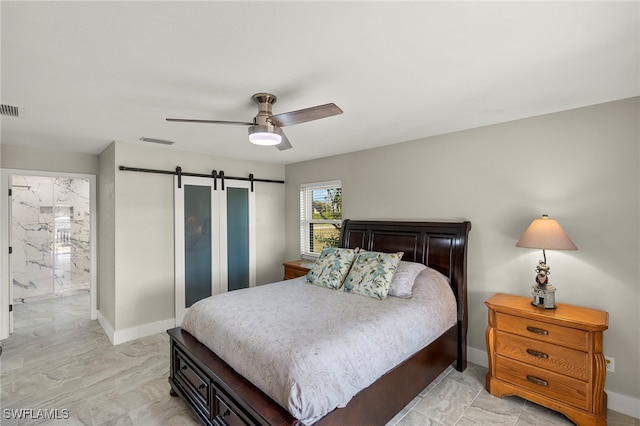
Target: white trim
478, 357
324, 184
133, 333
4, 257
219, 206
615, 401
623, 404
106, 326
178, 231
140, 331
4, 241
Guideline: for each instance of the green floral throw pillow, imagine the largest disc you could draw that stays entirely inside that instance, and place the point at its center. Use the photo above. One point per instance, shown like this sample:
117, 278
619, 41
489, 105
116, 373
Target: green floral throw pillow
332, 267
372, 273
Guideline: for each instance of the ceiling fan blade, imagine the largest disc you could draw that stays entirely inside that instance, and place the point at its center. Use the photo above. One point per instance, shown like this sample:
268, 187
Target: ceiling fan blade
284, 144
190, 120
304, 115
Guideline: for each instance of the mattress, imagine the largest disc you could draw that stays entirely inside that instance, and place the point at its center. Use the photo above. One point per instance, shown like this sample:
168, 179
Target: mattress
311, 349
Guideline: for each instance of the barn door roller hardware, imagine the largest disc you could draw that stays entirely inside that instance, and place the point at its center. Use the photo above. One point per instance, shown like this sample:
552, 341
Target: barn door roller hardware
215, 175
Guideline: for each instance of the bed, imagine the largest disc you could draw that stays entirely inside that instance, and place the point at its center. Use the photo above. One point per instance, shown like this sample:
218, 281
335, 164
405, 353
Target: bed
219, 395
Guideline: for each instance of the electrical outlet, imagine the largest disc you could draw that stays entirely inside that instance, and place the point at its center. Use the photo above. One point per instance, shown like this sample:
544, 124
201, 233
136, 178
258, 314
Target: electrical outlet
611, 363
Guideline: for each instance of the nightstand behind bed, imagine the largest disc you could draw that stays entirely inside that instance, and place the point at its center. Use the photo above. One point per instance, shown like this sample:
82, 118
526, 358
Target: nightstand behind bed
296, 268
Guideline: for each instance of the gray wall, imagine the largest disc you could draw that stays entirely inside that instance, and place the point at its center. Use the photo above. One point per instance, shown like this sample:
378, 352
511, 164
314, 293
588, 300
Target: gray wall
141, 279
19, 157
579, 166
106, 235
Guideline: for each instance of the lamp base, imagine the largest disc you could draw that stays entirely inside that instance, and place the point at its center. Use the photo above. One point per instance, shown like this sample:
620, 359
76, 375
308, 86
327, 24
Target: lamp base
544, 296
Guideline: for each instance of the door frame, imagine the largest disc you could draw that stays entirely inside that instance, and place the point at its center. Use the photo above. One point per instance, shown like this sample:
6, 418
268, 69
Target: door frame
6, 316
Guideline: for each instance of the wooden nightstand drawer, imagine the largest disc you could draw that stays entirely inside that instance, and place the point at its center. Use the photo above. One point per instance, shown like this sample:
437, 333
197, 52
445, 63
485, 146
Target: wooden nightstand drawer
544, 355
542, 381
543, 331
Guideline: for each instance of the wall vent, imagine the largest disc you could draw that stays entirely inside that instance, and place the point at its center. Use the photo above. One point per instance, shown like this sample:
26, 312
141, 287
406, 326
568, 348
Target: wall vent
154, 140
11, 110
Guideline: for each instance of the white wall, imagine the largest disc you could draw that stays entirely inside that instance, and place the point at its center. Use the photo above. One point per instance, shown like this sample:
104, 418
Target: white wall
143, 209
579, 166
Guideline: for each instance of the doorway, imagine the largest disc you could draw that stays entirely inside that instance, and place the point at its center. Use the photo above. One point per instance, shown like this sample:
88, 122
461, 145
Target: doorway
51, 235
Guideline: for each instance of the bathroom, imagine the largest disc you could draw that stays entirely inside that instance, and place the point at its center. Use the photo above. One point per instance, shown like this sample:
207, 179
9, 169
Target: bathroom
50, 237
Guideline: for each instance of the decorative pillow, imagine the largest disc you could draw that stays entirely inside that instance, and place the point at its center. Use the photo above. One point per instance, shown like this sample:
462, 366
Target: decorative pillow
403, 280
332, 267
371, 273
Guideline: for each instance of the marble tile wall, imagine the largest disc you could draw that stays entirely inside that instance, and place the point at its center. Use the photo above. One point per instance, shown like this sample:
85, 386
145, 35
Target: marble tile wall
50, 237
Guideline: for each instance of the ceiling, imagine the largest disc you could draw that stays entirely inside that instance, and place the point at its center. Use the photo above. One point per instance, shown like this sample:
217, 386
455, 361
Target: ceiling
88, 73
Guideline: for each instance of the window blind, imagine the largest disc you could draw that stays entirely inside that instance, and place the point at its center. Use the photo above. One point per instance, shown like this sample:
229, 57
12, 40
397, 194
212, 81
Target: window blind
319, 228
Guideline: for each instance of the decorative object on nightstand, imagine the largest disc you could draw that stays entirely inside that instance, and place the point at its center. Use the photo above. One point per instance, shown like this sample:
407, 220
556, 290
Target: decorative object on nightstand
551, 357
297, 268
546, 234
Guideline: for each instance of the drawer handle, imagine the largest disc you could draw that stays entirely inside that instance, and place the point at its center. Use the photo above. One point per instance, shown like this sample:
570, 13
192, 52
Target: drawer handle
184, 367
537, 381
537, 330
202, 386
226, 413
537, 354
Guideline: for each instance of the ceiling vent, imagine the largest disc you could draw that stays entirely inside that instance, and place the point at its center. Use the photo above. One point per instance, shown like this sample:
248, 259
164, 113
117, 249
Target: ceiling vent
11, 110
154, 140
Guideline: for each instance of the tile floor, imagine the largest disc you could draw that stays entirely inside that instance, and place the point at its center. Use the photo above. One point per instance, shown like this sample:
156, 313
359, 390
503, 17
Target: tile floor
58, 359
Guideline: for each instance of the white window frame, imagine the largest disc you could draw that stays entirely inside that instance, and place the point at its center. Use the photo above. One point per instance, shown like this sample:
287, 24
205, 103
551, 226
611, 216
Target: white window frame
306, 212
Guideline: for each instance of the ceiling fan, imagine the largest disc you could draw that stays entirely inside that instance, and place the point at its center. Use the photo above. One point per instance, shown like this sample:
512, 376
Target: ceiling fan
265, 129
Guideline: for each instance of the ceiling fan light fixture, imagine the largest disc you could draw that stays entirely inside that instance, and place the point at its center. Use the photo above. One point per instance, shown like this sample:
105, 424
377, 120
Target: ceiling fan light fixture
262, 137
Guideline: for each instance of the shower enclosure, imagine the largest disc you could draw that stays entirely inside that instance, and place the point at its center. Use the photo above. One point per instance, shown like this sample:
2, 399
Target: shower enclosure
50, 237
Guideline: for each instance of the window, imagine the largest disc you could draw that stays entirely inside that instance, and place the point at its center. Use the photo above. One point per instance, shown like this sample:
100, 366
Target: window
320, 216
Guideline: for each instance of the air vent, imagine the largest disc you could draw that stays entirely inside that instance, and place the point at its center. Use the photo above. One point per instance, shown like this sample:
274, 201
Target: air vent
154, 140
11, 110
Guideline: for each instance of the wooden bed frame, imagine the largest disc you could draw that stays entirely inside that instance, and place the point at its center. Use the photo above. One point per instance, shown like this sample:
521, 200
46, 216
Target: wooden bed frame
220, 396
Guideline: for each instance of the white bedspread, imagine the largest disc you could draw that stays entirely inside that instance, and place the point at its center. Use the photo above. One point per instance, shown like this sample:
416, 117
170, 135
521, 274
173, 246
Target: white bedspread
311, 349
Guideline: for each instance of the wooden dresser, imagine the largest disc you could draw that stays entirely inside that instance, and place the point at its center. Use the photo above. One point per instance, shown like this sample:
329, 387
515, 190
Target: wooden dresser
552, 357
297, 268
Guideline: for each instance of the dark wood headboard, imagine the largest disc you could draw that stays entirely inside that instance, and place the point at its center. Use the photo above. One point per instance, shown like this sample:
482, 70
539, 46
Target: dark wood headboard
439, 245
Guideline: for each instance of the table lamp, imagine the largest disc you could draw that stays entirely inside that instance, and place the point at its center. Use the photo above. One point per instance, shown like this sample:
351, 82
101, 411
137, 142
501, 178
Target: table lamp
545, 233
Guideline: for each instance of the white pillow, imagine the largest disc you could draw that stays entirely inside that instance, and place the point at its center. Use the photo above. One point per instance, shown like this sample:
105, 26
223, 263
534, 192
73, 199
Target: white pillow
406, 273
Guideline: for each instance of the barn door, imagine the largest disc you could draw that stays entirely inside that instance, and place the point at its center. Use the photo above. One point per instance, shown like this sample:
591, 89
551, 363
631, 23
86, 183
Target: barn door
214, 240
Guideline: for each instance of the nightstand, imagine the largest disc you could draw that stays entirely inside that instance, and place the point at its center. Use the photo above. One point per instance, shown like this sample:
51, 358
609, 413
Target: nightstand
297, 268
552, 357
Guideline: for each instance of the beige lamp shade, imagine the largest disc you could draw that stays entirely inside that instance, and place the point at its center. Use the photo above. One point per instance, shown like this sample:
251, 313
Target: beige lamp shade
546, 233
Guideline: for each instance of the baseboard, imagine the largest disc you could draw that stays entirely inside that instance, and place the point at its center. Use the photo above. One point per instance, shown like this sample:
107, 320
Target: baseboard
478, 357
106, 326
132, 333
623, 404
615, 401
